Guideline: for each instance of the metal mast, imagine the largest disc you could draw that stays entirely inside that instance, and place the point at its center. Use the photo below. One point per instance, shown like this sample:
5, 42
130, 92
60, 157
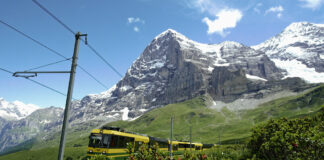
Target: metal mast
69, 95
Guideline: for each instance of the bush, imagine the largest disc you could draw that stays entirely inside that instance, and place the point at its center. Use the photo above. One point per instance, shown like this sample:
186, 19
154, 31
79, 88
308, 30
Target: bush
301, 138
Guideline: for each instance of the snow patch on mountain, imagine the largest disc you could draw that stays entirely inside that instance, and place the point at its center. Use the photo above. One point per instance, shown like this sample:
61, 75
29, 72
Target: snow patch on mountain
322, 56
125, 113
15, 110
254, 77
296, 68
125, 88
104, 94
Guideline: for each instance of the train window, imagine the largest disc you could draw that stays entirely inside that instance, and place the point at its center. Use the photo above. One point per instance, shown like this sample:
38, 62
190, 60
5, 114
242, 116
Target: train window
128, 140
113, 143
163, 144
95, 140
106, 139
175, 147
181, 145
121, 142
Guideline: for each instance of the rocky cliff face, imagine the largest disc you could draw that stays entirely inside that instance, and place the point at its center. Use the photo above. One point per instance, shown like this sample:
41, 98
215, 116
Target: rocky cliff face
173, 68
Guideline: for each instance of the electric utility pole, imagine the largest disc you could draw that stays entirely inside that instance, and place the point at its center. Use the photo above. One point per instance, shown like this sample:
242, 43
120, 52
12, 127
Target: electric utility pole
69, 92
171, 137
190, 135
69, 95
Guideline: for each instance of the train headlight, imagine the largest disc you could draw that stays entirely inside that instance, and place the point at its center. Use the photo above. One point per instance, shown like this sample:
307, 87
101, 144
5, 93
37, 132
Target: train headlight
104, 152
90, 151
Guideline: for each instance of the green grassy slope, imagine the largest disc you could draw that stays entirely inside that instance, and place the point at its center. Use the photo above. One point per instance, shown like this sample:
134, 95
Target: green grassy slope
46, 154
208, 124
75, 148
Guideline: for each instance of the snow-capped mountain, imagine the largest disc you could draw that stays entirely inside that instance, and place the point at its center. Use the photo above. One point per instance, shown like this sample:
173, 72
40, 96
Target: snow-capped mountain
299, 50
42, 121
15, 110
173, 68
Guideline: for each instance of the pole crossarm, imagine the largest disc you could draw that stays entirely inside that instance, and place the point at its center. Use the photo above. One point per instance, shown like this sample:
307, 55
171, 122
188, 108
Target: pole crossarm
34, 73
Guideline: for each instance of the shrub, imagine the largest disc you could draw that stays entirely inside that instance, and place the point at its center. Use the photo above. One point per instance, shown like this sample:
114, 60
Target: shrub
301, 138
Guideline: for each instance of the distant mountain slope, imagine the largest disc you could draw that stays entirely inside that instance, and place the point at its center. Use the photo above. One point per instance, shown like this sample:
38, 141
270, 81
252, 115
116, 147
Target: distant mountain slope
15, 110
299, 50
40, 121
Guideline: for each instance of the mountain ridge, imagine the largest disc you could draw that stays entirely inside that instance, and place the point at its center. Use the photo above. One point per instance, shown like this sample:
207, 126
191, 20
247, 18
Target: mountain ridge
16, 110
300, 46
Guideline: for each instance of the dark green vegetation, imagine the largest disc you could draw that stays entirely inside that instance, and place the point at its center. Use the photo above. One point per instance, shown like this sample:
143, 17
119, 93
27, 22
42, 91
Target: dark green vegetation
299, 138
209, 125
220, 152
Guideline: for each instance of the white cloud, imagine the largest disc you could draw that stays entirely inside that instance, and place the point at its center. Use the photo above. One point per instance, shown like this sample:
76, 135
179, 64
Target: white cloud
256, 8
313, 4
135, 20
136, 29
278, 10
204, 6
226, 18
275, 9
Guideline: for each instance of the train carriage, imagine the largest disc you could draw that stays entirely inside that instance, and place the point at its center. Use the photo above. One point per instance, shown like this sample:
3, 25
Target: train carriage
112, 142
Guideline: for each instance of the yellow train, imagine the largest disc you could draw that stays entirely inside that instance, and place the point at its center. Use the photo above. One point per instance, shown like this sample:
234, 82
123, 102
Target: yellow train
112, 142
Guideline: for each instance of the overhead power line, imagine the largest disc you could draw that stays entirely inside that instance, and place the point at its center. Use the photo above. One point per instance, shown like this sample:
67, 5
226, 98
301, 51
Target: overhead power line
6, 70
36, 82
50, 49
32, 39
46, 65
92, 76
43, 85
103, 59
53, 16
70, 30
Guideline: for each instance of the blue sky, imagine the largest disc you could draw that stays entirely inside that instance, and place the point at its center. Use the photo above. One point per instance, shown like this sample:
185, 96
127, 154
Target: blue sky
120, 30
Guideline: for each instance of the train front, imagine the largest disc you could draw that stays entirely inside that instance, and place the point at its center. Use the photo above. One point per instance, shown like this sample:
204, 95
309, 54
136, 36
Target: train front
102, 142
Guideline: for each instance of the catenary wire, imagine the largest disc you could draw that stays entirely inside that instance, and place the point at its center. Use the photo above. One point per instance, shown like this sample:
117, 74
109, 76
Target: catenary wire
70, 30
92, 76
32, 39
53, 16
103, 59
41, 84
45, 65
6, 70
52, 50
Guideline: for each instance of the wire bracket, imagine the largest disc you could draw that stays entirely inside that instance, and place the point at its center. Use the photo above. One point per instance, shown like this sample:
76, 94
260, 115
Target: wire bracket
27, 74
